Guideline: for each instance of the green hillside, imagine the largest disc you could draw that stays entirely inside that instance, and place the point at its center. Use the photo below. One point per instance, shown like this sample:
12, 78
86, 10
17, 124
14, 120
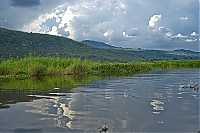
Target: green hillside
150, 55
17, 44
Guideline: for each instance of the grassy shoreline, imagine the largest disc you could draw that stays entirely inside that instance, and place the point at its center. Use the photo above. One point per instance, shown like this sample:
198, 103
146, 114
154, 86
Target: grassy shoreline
44, 66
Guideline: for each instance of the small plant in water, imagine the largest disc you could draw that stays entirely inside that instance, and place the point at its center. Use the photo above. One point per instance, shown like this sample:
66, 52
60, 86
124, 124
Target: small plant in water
21, 75
104, 128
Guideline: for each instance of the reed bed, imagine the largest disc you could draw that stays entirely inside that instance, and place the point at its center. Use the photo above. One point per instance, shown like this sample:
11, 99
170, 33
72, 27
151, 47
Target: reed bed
45, 66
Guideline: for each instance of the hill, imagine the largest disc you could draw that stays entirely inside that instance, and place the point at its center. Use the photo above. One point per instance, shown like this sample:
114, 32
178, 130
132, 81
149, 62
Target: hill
150, 55
17, 44
98, 44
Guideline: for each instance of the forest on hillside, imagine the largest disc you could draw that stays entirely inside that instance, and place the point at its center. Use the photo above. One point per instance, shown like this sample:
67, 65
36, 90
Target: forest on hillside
16, 45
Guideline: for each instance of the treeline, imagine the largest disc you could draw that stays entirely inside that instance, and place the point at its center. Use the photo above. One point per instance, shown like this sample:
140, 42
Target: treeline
46, 66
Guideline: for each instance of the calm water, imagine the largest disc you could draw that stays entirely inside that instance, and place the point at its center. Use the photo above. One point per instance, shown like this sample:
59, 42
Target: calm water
153, 102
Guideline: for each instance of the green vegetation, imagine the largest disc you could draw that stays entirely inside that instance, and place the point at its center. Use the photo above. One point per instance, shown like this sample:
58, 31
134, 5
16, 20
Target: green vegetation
17, 45
149, 55
104, 128
13, 90
46, 66
55, 66
176, 64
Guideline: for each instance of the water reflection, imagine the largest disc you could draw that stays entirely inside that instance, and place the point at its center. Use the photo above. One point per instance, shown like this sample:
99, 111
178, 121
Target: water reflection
157, 106
29, 89
35, 84
62, 111
12, 97
24, 130
125, 104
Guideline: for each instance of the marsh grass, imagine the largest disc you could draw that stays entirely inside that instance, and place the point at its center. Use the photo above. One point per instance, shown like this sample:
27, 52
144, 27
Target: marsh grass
43, 66
176, 64
121, 69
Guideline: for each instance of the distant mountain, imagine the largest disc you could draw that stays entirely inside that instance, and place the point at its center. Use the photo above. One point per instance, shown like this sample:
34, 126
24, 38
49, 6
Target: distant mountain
17, 44
149, 55
185, 51
98, 44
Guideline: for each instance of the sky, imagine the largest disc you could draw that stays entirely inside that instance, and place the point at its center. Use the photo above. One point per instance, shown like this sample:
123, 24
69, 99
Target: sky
146, 24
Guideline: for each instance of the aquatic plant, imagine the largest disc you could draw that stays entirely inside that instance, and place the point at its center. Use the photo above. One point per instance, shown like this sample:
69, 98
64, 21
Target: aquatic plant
104, 128
45, 66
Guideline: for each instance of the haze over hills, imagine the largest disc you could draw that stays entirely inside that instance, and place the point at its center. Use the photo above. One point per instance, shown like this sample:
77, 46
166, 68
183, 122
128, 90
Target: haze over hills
150, 55
17, 44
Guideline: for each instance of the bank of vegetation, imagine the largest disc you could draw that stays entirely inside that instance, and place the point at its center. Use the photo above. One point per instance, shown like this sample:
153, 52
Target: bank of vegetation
45, 66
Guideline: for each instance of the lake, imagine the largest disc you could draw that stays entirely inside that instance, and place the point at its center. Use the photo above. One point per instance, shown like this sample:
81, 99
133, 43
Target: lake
153, 102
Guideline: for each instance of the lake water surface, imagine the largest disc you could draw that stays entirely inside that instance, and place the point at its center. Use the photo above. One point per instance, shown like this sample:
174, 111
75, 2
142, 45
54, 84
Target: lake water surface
154, 102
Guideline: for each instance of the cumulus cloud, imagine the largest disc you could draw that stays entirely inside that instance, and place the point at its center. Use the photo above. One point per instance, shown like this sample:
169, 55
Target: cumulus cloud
50, 23
194, 34
108, 33
125, 23
154, 20
179, 35
18, 15
54, 31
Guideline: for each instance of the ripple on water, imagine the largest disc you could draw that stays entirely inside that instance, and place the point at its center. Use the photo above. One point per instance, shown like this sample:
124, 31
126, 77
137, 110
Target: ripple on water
86, 123
180, 93
156, 95
135, 95
195, 96
184, 108
157, 106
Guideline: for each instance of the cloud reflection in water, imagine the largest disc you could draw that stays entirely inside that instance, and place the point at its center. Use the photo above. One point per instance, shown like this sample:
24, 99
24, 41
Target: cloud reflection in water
157, 106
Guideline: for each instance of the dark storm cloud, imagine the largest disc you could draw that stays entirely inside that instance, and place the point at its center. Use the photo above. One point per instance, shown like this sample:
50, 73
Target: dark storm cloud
25, 3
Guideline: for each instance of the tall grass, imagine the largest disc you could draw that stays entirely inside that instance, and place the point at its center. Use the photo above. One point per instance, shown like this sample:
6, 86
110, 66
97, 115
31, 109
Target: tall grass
55, 66
119, 69
176, 64
45, 66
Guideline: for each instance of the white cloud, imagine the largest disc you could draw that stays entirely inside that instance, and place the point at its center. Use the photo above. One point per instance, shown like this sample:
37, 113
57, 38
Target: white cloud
168, 34
154, 20
54, 31
194, 34
127, 23
179, 35
58, 25
184, 18
191, 40
108, 33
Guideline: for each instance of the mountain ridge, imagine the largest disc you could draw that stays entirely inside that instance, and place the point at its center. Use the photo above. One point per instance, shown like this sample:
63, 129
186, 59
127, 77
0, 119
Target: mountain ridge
150, 55
18, 44
98, 44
